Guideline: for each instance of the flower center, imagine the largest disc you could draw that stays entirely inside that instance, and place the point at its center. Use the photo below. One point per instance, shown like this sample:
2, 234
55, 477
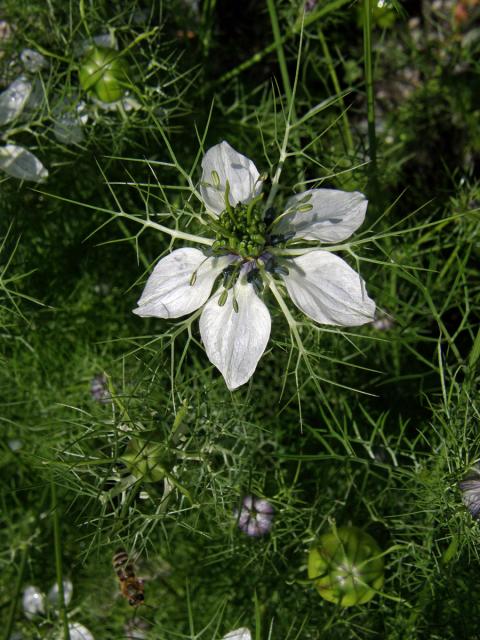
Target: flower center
241, 229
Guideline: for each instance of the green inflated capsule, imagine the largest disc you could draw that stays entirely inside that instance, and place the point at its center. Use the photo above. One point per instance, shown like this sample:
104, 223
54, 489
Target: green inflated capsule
104, 72
346, 566
147, 461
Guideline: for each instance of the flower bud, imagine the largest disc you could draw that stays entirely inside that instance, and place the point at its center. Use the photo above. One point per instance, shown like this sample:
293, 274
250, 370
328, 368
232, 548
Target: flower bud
255, 517
33, 602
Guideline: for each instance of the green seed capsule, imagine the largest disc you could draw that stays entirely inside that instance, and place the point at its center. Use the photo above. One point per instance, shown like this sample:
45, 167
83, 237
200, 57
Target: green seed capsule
346, 566
104, 72
147, 461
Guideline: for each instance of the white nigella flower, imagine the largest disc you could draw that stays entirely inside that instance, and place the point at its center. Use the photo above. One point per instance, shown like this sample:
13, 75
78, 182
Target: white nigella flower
255, 249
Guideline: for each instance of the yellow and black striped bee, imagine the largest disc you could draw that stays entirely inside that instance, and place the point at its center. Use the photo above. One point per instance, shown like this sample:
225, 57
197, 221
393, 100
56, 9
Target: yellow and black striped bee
131, 587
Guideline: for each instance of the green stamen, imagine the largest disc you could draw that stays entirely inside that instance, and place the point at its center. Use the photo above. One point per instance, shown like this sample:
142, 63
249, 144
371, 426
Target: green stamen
304, 208
223, 298
228, 206
251, 207
241, 228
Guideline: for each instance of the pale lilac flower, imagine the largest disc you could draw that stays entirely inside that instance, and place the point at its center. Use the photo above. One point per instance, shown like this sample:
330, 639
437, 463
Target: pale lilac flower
99, 389
255, 517
255, 250
470, 488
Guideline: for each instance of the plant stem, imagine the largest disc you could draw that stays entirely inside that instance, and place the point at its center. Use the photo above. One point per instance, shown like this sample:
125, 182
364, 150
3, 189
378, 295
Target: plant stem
280, 52
289, 93
368, 65
58, 560
289, 33
16, 595
338, 91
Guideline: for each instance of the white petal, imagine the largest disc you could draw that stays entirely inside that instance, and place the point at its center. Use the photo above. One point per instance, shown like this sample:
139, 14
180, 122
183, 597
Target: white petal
235, 340
13, 99
169, 292
78, 632
334, 216
239, 634
33, 602
227, 164
32, 60
54, 596
327, 290
20, 163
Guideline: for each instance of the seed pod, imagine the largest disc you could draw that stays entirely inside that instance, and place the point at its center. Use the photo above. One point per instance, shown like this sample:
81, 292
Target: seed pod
346, 566
147, 461
104, 72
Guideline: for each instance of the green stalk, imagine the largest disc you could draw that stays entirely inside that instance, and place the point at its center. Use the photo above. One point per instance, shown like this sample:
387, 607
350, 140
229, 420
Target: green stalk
289, 93
21, 571
16, 596
58, 560
338, 91
289, 33
206, 23
83, 18
368, 64
280, 52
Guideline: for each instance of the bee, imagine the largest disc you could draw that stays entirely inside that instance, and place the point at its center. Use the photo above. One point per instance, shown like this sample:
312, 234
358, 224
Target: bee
187, 34
131, 587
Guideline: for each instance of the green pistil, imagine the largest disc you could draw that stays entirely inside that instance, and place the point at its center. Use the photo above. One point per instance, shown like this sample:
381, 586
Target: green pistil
240, 229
